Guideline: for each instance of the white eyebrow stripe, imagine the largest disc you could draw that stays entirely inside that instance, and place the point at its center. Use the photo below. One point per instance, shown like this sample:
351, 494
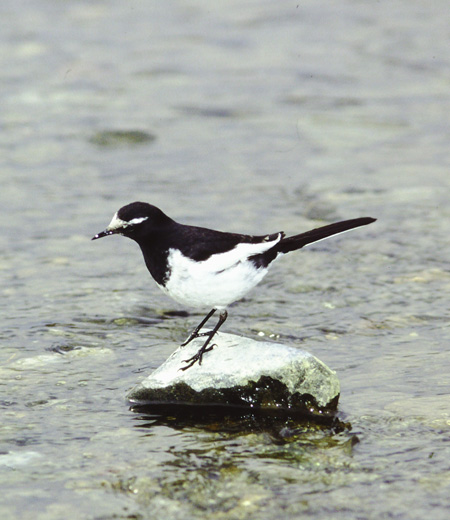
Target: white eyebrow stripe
137, 220
118, 223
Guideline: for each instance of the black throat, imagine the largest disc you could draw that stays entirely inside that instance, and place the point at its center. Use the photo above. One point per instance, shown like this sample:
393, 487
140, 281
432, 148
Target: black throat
155, 257
155, 238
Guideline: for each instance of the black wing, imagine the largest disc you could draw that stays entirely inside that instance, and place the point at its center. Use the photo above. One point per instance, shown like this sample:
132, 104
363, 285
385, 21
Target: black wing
201, 243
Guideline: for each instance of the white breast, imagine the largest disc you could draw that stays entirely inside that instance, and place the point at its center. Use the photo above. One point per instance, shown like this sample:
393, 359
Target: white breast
218, 281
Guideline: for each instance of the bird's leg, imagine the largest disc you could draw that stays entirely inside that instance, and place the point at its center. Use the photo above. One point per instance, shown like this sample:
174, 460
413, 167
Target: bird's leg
195, 332
206, 347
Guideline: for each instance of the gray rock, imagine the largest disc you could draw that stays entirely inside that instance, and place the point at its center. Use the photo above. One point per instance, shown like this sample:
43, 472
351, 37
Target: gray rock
244, 373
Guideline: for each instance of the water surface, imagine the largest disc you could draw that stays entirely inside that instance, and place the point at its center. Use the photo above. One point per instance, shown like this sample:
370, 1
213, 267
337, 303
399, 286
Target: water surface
252, 117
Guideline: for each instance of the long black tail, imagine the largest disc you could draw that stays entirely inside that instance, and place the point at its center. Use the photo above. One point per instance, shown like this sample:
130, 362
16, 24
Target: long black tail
298, 241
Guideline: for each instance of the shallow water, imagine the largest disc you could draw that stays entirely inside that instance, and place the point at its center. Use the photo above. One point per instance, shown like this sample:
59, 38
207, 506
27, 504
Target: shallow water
252, 117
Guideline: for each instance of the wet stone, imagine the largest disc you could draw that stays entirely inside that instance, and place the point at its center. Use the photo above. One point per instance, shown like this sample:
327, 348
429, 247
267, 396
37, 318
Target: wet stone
244, 374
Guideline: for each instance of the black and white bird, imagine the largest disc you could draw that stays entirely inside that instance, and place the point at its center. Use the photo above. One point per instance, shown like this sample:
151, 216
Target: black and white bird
201, 267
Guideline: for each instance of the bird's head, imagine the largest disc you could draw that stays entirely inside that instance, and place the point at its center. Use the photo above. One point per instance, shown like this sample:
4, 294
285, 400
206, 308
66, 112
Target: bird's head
133, 219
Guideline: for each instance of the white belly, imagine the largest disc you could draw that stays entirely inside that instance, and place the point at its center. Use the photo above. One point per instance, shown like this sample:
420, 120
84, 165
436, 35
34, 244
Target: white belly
214, 283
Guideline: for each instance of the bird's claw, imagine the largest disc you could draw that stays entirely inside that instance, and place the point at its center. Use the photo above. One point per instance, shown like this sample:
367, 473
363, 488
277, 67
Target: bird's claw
197, 357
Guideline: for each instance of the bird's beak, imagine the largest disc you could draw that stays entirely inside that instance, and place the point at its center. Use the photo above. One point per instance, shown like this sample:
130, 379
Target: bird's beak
104, 234
116, 227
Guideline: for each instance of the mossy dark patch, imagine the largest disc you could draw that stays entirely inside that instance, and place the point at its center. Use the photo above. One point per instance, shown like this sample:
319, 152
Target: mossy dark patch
115, 138
266, 395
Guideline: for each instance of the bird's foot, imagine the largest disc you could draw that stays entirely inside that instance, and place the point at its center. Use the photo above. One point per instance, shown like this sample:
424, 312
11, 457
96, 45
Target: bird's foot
197, 357
209, 335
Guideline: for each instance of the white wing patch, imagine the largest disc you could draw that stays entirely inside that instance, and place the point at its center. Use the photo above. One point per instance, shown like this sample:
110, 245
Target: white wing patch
222, 261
